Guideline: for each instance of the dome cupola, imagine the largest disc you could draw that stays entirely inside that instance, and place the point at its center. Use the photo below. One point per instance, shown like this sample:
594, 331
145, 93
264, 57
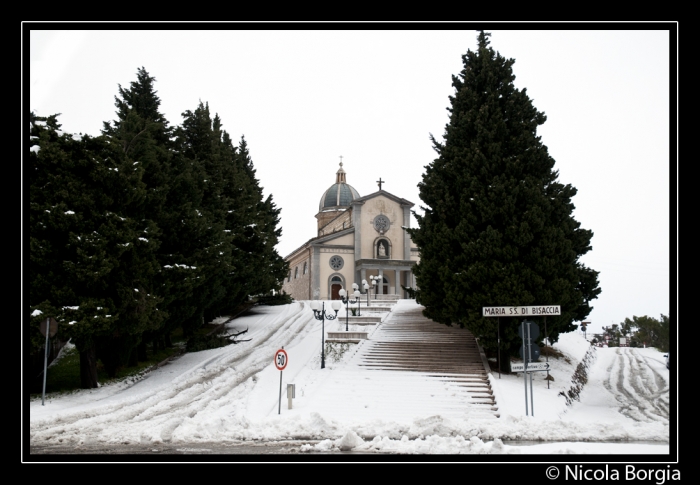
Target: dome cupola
339, 195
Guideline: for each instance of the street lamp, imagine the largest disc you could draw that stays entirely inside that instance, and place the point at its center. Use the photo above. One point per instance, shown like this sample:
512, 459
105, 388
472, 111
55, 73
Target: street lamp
347, 300
365, 287
375, 282
357, 294
320, 314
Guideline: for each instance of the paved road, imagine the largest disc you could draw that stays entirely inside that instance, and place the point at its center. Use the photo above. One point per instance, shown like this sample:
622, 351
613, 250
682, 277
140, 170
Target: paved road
154, 451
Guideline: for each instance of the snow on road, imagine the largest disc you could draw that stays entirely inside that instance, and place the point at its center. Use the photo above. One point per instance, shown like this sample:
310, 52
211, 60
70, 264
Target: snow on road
230, 394
632, 382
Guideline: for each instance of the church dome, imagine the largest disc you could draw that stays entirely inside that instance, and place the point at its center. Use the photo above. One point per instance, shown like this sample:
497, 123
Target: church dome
340, 194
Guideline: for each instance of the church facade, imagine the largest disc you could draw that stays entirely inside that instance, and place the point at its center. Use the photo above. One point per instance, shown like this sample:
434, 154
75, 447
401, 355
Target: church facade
358, 237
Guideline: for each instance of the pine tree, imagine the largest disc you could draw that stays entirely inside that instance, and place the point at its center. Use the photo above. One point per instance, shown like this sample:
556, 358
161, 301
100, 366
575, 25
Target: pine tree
497, 227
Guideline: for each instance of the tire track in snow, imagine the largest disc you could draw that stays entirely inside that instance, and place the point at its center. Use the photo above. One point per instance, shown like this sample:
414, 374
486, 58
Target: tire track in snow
641, 391
162, 412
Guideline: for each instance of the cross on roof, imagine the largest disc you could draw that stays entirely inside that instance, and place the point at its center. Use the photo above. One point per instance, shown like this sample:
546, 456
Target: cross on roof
380, 182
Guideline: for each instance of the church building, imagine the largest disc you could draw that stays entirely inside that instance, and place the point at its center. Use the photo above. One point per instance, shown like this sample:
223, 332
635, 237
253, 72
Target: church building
358, 237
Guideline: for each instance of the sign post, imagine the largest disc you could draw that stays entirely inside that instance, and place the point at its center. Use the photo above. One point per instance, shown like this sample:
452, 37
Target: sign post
529, 358
546, 344
529, 331
522, 333
48, 327
584, 325
281, 360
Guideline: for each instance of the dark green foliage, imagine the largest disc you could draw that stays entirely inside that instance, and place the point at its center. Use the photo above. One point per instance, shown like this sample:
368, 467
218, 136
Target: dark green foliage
411, 291
497, 227
88, 257
144, 230
276, 299
641, 331
205, 342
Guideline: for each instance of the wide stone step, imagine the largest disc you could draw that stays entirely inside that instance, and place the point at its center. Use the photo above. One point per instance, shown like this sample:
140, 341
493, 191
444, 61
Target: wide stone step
375, 309
407, 343
428, 360
346, 335
426, 367
373, 319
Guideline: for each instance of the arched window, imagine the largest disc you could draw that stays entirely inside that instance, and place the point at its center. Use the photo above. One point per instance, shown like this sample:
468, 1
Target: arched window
305, 268
296, 272
289, 276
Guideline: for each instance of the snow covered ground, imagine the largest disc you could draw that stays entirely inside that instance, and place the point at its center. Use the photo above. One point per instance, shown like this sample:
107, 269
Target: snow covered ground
231, 394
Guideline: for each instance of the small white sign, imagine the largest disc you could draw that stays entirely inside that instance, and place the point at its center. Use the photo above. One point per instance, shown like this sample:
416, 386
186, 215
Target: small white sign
531, 367
521, 311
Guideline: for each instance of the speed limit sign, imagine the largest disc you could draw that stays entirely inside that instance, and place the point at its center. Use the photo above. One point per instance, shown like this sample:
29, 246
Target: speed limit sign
281, 359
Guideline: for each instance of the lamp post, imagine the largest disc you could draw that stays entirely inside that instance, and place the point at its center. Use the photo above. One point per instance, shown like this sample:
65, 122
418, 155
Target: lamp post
357, 295
365, 287
347, 300
375, 282
320, 314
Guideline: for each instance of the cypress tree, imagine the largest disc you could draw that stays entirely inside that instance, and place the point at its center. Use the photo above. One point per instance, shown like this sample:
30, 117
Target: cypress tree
497, 227
198, 143
262, 233
87, 255
142, 135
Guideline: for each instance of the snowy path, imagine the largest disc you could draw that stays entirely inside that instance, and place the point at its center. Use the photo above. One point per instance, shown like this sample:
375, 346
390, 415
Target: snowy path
191, 388
231, 394
629, 382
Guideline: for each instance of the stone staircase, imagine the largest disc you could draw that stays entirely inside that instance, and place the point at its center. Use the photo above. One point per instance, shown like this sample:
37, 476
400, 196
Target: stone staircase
369, 315
409, 342
445, 363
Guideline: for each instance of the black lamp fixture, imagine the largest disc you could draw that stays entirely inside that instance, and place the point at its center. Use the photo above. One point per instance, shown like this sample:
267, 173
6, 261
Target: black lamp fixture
346, 299
319, 310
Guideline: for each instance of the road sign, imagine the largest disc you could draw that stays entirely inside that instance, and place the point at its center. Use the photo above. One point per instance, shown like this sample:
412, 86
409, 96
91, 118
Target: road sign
521, 311
281, 359
534, 351
534, 331
53, 327
531, 367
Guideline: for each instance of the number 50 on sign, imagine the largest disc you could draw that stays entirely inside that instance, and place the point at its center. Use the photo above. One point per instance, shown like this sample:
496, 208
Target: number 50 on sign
281, 359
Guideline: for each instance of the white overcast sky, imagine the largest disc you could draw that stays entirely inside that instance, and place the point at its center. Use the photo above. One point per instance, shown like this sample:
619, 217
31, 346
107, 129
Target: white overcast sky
303, 98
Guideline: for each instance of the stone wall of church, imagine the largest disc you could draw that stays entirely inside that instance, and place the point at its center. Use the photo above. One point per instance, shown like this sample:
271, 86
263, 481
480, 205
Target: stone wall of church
395, 234
298, 280
343, 221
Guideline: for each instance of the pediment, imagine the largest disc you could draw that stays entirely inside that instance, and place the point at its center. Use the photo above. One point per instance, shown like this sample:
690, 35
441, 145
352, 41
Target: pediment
384, 193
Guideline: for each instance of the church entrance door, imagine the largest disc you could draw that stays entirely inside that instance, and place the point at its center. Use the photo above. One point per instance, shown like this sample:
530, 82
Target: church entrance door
385, 286
335, 292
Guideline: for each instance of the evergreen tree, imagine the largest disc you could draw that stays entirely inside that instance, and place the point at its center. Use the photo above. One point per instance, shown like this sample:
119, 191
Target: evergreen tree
89, 260
262, 233
198, 143
143, 136
497, 227
646, 331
